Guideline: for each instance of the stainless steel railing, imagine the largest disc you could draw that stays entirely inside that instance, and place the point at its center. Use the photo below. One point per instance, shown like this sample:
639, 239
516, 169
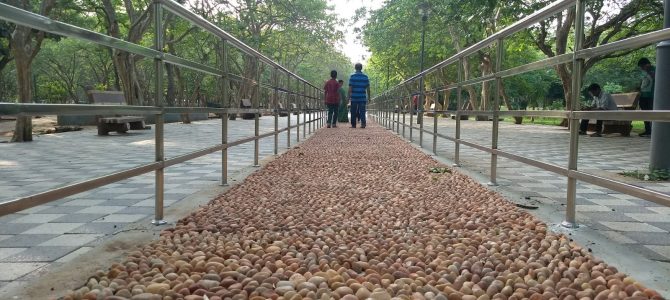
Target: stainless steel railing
384, 105
293, 88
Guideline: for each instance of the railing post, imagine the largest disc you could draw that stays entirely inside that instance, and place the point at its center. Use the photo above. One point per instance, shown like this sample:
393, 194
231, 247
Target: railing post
437, 96
224, 117
404, 116
389, 112
300, 105
290, 111
496, 109
257, 115
159, 133
420, 103
571, 199
387, 102
459, 90
308, 113
411, 117
275, 96
397, 124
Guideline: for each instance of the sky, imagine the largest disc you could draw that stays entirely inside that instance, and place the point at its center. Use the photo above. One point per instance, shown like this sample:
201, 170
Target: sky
346, 9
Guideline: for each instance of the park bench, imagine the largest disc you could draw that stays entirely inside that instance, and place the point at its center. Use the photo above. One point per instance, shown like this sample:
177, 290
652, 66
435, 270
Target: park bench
295, 109
246, 103
624, 101
281, 110
120, 124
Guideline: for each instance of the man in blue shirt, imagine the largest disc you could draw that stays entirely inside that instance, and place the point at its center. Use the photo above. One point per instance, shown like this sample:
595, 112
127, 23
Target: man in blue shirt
359, 93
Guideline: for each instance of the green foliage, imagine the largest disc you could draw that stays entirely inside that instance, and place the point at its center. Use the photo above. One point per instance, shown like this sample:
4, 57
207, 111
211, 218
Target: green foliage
612, 88
439, 170
453, 25
653, 175
299, 34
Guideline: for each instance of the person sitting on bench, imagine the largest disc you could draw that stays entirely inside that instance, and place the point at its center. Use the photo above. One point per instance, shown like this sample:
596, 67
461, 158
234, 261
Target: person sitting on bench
601, 101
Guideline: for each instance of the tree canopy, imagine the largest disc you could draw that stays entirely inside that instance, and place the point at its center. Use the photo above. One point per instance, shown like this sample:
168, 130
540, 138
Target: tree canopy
393, 35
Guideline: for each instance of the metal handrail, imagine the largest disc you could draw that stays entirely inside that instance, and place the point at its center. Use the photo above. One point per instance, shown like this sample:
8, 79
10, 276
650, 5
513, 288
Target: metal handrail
201, 22
304, 94
385, 103
22, 17
531, 19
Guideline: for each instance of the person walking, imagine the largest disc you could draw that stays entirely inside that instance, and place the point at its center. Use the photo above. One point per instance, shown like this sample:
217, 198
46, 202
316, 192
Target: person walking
359, 93
332, 99
342, 112
601, 101
647, 90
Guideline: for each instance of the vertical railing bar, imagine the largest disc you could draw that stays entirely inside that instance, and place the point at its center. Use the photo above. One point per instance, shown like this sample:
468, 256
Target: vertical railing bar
275, 83
459, 90
496, 107
399, 101
300, 110
289, 96
256, 104
159, 133
437, 96
404, 116
308, 113
411, 117
571, 197
225, 116
420, 114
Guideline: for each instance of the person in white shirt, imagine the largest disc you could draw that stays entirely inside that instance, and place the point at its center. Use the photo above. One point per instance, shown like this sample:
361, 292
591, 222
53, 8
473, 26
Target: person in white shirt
601, 101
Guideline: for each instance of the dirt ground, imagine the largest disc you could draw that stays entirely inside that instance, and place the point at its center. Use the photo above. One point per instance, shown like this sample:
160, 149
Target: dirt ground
41, 125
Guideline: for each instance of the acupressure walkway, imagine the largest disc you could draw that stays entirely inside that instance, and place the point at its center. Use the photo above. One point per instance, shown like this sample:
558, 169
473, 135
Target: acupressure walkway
357, 214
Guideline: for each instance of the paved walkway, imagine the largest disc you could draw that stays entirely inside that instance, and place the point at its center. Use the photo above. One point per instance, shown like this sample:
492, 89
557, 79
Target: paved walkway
52, 234
640, 225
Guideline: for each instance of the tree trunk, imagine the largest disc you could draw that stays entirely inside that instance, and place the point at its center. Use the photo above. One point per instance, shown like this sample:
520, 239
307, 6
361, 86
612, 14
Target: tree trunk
247, 88
503, 95
171, 94
486, 69
124, 62
22, 50
566, 82
25, 44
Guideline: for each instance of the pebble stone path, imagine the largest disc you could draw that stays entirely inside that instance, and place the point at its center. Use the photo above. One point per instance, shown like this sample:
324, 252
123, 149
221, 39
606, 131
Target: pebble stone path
335, 219
44, 237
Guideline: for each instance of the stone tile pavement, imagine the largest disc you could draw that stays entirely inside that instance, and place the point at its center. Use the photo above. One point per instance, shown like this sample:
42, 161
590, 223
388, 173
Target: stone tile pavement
641, 225
57, 232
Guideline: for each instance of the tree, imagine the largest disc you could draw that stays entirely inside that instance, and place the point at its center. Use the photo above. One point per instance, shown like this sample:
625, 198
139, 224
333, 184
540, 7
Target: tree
287, 31
137, 19
605, 22
25, 44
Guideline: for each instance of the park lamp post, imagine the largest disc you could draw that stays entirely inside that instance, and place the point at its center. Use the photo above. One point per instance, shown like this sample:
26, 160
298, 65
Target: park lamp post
424, 10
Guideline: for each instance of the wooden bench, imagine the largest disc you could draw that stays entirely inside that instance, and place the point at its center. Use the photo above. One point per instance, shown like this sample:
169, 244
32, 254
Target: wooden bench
624, 101
246, 103
281, 110
120, 124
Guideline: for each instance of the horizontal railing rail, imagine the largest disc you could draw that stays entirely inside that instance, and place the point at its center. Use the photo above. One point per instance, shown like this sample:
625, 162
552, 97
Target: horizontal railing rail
524, 23
290, 90
389, 106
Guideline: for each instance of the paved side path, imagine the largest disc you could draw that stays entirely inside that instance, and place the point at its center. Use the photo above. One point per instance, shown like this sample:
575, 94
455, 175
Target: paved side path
640, 225
55, 233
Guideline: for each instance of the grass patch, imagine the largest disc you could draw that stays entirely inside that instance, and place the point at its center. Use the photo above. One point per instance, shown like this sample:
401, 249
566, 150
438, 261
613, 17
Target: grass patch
655, 175
439, 170
537, 120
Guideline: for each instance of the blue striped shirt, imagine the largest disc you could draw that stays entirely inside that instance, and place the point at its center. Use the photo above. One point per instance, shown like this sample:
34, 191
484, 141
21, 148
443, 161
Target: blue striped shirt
359, 83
